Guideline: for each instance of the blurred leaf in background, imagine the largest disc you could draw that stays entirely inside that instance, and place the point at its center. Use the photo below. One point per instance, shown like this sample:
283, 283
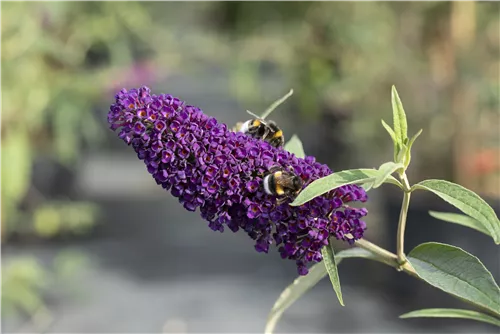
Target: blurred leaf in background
21, 282
71, 58
25, 283
60, 61
341, 58
63, 61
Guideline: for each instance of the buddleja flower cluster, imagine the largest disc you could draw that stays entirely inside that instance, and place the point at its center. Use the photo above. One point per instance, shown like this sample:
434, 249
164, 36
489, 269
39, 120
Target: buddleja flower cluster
220, 172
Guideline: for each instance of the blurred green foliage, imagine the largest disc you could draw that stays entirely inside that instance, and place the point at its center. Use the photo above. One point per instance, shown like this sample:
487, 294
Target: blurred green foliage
59, 60
342, 57
25, 282
62, 60
21, 281
60, 217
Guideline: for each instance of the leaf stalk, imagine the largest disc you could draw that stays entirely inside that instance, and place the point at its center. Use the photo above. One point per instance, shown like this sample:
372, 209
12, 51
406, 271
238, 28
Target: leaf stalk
401, 258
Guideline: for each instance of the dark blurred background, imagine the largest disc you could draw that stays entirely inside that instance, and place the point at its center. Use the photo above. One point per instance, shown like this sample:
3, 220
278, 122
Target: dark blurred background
91, 244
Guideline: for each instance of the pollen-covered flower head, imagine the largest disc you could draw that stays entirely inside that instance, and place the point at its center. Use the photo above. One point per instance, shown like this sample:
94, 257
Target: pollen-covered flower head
220, 172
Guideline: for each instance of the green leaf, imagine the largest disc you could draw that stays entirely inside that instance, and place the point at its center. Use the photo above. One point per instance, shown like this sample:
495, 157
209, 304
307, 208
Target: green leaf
335, 180
390, 131
401, 153
293, 292
456, 272
331, 268
91, 132
451, 313
460, 219
399, 117
408, 149
66, 132
252, 114
465, 200
354, 252
358, 252
302, 284
385, 170
367, 186
16, 163
294, 145
276, 104
393, 137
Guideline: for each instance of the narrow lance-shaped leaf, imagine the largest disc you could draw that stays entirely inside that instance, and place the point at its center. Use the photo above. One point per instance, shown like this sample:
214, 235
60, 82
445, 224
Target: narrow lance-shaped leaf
401, 156
335, 180
393, 137
355, 252
408, 149
399, 117
252, 114
16, 163
465, 200
276, 104
294, 145
390, 131
451, 313
293, 292
331, 268
367, 186
385, 170
460, 219
304, 283
456, 272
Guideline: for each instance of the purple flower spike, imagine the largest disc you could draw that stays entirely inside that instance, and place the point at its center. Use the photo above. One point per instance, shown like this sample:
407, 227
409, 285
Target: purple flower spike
254, 211
252, 186
139, 128
220, 172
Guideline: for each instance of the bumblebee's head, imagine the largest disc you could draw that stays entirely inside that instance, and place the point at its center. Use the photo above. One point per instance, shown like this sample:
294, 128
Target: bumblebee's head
297, 183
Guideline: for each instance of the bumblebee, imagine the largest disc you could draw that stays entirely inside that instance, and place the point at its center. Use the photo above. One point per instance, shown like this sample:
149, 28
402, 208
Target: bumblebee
283, 184
264, 130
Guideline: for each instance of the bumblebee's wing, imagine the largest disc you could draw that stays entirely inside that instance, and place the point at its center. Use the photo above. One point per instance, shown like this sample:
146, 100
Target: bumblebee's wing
287, 179
272, 125
257, 117
252, 114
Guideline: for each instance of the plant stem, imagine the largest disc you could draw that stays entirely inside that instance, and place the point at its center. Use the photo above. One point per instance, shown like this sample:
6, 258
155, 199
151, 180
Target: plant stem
386, 257
391, 259
401, 258
381, 252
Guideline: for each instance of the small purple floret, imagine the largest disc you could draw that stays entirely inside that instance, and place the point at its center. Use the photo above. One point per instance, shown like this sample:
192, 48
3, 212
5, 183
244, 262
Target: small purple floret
211, 168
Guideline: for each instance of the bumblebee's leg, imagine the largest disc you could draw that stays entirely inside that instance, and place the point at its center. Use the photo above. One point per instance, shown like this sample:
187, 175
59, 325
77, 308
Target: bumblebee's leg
291, 169
287, 196
290, 194
253, 131
265, 133
280, 141
281, 200
277, 142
